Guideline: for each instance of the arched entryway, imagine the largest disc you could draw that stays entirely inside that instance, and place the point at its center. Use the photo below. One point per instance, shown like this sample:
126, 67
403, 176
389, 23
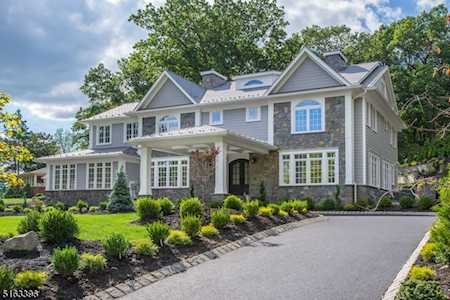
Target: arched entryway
238, 177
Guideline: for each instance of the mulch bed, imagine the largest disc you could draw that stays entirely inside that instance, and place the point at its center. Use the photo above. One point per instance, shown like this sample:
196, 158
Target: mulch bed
83, 284
442, 271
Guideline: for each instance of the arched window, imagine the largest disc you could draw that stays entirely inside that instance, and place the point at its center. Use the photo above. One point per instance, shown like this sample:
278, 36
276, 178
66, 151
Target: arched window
253, 82
168, 123
308, 116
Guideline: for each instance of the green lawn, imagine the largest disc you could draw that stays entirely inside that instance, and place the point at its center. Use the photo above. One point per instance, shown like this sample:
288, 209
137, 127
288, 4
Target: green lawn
15, 201
92, 227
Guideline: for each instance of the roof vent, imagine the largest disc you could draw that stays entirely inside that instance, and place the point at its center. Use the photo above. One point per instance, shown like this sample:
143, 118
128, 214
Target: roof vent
212, 79
336, 60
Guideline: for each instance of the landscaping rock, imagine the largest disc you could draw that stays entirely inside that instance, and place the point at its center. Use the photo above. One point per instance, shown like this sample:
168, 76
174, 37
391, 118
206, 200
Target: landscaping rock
27, 242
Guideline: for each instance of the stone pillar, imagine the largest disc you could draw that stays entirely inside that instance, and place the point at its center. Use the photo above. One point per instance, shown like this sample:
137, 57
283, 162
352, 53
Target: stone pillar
145, 164
221, 169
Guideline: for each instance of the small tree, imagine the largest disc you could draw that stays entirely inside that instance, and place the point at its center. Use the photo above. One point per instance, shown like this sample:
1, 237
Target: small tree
120, 198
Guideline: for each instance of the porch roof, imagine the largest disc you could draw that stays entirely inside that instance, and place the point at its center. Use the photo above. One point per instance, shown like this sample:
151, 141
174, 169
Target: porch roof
195, 138
91, 154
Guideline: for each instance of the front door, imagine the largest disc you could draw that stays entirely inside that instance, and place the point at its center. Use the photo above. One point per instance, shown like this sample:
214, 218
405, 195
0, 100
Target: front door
238, 177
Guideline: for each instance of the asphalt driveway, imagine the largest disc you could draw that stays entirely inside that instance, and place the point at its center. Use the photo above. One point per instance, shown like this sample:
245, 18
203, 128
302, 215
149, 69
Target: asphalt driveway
341, 258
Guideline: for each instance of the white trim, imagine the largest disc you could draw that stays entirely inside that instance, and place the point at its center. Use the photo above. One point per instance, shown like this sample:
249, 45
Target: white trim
125, 130
158, 121
349, 133
212, 72
181, 89
154, 172
220, 170
307, 108
258, 114
374, 182
53, 177
48, 177
270, 123
221, 117
97, 134
144, 171
198, 118
324, 166
102, 188
91, 136
364, 139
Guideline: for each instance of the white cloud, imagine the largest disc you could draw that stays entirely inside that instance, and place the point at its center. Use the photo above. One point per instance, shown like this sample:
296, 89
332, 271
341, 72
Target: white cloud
65, 89
55, 112
427, 4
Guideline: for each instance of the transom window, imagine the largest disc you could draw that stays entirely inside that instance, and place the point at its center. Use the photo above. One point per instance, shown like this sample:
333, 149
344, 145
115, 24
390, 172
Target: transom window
131, 130
99, 175
253, 82
308, 116
309, 168
104, 135
168, 123
215, 118
170, 172
64, 177
253, 114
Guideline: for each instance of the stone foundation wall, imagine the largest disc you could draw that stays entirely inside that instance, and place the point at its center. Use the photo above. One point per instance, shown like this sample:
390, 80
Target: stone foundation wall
172, 194
93, 197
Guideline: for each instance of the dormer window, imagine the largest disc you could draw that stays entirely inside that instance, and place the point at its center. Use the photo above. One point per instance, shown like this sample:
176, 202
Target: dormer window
253, 82
104, 135
169, 123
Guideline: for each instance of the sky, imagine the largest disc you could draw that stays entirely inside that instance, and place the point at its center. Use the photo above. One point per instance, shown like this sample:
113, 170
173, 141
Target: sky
47, 46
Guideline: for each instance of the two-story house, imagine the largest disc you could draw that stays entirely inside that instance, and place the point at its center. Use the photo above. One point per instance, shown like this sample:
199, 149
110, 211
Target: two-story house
319, 128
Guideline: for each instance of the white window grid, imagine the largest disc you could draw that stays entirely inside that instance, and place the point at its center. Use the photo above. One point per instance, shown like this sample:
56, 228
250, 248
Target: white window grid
99, 175
313, 116
104, 134
170, 172
131, 130
64, 177
374, 170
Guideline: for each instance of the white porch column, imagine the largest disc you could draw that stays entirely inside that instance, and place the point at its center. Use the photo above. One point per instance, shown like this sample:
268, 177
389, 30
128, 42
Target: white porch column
144, 171
349, 133
221, 169
47, 177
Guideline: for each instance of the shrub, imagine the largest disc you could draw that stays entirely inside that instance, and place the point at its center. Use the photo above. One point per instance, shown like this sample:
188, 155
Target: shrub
29, 223
327, 204
158, 232
215, 204
145, 247
178, 238
93, 263
385, 202
191, 207
17, 209
422, 273
287, 207
275, 208
58, 226
30, 279
310, 203
233, 202
425, 202
7, 276
116, 245
82, 205
120, 198
73, 209
220, 218
166, 205
9, 210
209, 230
420, 290
60, 205
148, 208
191, 225
37, 204
237, 218
282, 214
362, 203
2, 207
93, 209
103, 205
406, 202
428, 252
251, 208
300, 206
265, 211
350, 207
65, 260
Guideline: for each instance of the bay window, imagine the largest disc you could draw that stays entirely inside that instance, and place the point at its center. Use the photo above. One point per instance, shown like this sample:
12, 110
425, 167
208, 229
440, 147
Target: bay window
308, 116
100, 176
172, 172
309, 167
64, 177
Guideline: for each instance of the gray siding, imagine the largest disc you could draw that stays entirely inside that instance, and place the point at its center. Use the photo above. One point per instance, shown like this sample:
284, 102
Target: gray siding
81, 176
234, 120
308, 76
116, 137
168, 95
358, 142
132, 172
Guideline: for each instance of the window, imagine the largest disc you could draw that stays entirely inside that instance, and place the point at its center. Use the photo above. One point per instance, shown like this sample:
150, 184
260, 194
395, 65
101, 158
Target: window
100, 175
64, 177
309, 168
308, 116
372, 117
168, 123
253, 82
215, 118
131, 130
253, 114
388, 176
170, 172
374, 170
104, 135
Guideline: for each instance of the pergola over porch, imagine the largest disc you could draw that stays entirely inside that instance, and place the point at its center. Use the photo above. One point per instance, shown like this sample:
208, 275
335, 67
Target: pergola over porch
200, 138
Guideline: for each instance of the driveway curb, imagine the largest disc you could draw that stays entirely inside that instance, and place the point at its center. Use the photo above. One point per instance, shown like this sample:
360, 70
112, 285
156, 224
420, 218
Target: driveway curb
122, 289
393, 289
376, 213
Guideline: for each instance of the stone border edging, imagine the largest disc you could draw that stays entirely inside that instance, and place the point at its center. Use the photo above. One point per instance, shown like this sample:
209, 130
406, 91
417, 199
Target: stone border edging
393, 289
375, 213
129, 286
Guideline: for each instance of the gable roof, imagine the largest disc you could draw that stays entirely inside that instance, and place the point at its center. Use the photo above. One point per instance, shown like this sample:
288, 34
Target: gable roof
113, 113
295, 64
191, 90
357, 73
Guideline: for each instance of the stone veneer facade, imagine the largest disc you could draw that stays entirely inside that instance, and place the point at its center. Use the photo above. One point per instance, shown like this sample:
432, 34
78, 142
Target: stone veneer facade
94, 197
